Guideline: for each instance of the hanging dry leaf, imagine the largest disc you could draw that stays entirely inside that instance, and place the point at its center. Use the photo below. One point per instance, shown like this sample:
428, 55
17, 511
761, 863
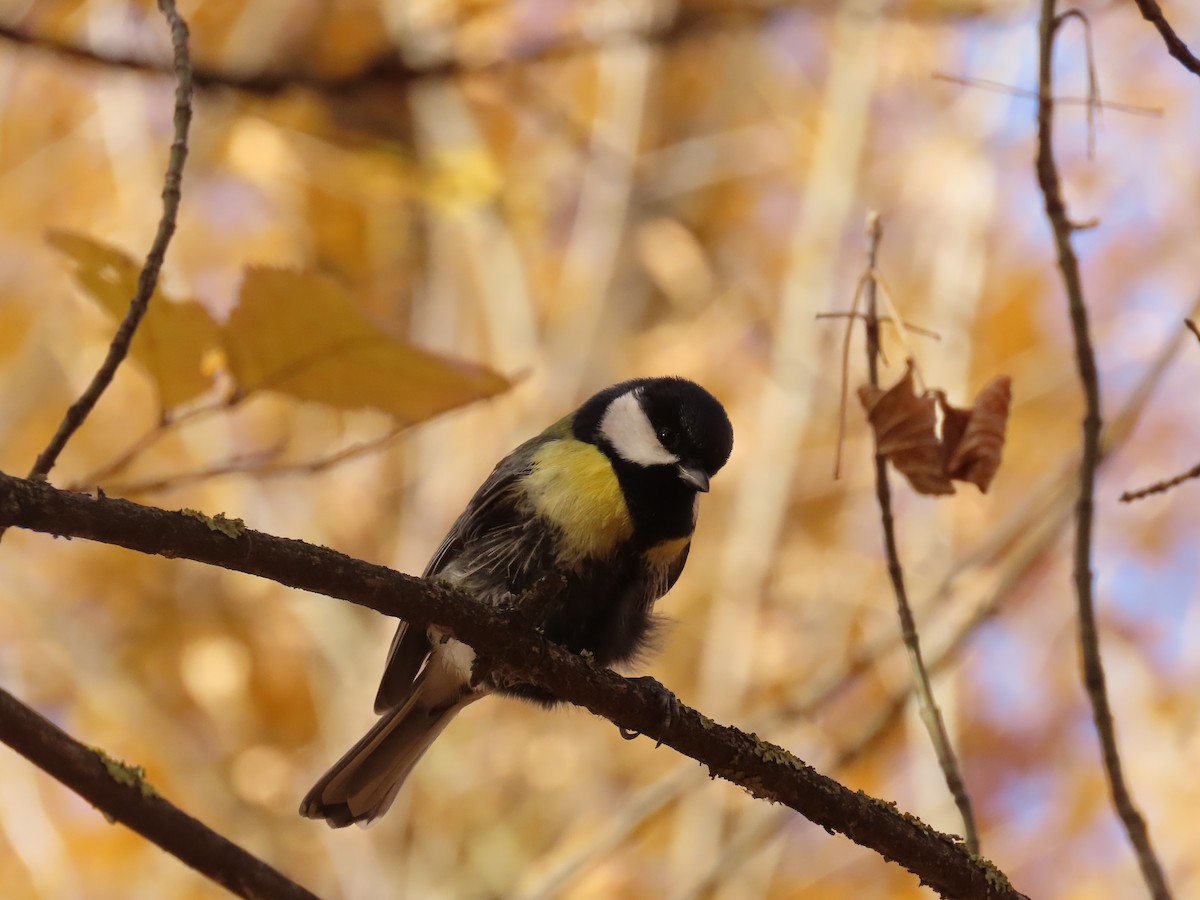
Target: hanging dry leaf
967, 446
905, 428
976, 456
300, 333
174, 336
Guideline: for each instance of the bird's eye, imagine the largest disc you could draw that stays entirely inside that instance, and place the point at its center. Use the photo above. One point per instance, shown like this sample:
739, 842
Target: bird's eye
668, 437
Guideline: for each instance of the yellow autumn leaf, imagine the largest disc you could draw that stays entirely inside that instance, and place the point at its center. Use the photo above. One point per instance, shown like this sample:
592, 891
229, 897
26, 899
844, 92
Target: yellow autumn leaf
299, 333
174, 336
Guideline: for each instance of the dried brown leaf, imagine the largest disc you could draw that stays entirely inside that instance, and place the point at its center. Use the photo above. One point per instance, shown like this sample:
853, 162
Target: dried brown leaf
968, 447
905, 426
976, 456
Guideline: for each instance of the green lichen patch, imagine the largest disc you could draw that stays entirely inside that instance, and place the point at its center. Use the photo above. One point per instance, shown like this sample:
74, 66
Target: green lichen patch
231, 528
776, 755
124, 773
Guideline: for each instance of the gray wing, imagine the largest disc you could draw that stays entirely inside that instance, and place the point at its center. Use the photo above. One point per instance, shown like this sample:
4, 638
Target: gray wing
493, 506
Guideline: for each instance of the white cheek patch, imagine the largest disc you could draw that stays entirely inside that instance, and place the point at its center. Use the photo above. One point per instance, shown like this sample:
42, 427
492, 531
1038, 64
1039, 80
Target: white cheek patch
627, 428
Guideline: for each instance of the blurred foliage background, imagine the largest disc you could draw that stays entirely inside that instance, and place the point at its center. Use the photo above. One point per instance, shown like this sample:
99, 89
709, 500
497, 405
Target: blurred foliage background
570, 194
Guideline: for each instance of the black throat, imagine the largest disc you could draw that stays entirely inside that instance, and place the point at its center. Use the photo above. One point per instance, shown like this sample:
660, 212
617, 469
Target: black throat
661, 505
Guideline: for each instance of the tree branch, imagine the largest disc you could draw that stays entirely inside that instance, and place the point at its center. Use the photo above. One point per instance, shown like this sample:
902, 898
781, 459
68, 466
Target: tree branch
122, 794
931, 715
1153, 14
1161, 487
1085, 357
762, 769
390, 69
1164, 485
148, 279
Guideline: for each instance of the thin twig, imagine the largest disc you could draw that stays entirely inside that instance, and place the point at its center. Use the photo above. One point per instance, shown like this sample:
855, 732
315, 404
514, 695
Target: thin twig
261, 464
1161, 487
121, 793
148, 278
1093, 92
1089, 641
880, 287
389, 68
986, 84
882, 320
167, 424
1153, 14
930, 714
872, 276
843, 397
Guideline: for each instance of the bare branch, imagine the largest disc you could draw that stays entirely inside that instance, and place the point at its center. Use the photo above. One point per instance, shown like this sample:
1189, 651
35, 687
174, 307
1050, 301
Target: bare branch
931, 715
763, 769
1093, 91
1153, 14
390, 69
1085, 357
148, 279
986, 84
261, 463
168, 423
845, 387
883, 320
1191, 326
122, 794
1161, 487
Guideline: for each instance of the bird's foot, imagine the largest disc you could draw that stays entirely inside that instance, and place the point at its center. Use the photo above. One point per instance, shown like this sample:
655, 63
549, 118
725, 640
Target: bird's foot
536, 603
669, 706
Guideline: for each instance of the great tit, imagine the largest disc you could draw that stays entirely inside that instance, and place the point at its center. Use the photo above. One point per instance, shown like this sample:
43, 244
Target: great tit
605, 499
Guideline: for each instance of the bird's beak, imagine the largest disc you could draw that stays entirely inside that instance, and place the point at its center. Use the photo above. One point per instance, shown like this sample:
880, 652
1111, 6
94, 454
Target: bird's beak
695, 476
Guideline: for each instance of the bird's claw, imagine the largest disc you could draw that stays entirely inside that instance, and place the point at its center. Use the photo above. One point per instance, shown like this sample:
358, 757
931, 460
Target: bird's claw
668, 702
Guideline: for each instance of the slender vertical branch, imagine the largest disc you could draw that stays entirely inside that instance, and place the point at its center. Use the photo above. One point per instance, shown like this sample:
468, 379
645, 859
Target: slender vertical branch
119, 348
1085, 357
931, 715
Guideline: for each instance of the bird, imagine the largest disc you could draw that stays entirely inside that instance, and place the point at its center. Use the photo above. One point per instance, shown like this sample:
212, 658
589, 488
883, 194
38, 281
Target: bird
605, 501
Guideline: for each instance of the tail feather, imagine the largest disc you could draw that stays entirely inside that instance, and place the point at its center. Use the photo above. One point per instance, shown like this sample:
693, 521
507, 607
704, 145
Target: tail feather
360, 786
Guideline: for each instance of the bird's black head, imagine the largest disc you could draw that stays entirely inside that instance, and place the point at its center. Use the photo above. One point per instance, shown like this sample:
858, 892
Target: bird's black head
670, 425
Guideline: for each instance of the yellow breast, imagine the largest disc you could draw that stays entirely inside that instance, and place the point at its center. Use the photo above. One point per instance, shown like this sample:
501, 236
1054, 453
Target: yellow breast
573, 486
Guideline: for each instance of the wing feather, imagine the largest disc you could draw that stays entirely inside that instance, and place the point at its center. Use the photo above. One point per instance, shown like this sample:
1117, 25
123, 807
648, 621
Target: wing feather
493, 507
